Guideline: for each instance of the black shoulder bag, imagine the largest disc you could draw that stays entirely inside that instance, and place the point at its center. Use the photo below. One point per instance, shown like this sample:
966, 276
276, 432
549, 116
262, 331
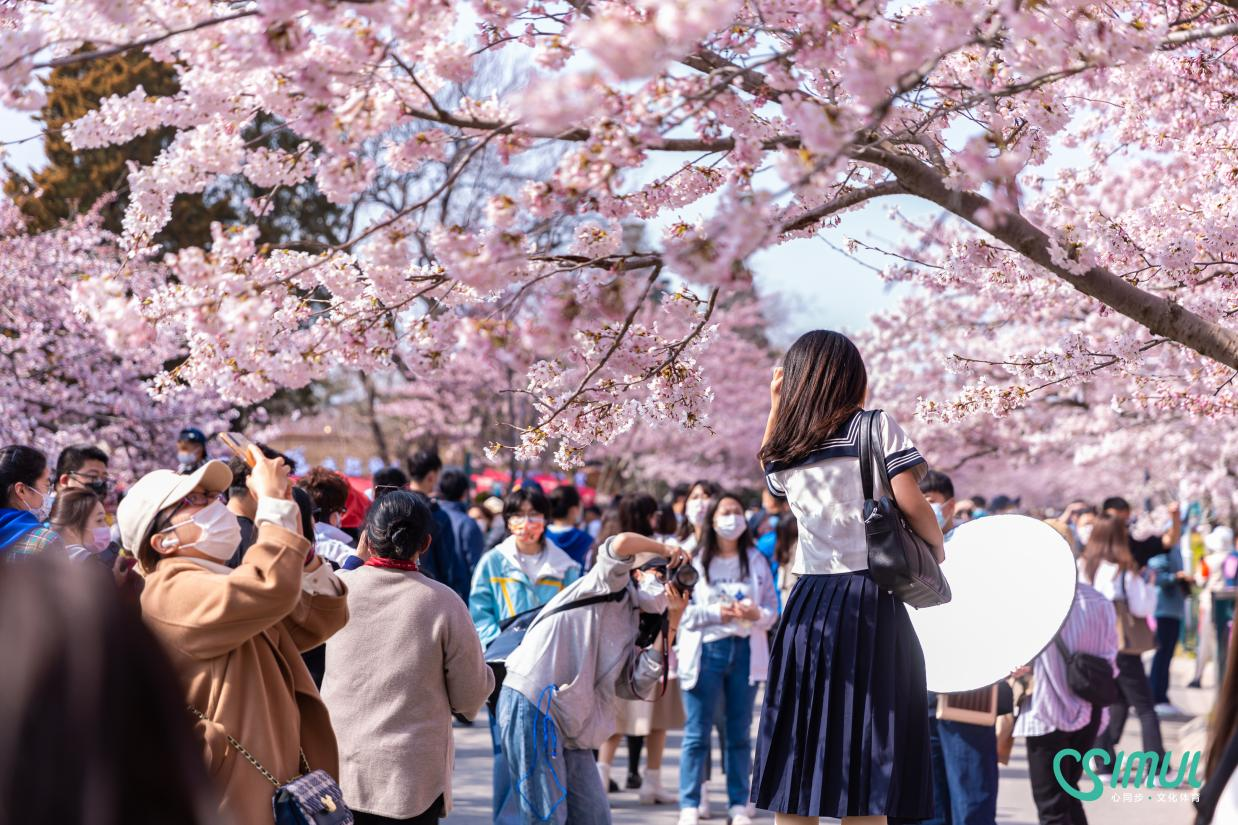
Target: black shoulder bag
513, 630
1090, 677
898, 559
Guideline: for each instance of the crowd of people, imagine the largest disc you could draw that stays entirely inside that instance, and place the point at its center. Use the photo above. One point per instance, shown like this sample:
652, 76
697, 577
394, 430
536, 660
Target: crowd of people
291, 625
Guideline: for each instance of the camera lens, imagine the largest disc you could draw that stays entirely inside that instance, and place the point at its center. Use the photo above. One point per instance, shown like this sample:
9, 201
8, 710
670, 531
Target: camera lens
686, 576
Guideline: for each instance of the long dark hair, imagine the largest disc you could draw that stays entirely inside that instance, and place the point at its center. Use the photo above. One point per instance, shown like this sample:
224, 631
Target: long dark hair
19, 463
1108, 542
709, 537
86, 696
712, 490
397, 524
823, 383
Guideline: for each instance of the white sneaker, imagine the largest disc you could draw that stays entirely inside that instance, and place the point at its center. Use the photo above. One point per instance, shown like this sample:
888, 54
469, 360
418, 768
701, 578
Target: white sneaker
688, 816
703, 808
739, 815
655, 794
1166, 709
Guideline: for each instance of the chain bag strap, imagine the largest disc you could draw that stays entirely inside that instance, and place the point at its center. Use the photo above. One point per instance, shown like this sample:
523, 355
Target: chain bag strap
313, 798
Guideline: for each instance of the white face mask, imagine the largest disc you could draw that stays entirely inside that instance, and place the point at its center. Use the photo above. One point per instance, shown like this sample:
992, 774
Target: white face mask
1084, 532
186, 458
695, 511
44, 509
651, 595
221, 532
730, 527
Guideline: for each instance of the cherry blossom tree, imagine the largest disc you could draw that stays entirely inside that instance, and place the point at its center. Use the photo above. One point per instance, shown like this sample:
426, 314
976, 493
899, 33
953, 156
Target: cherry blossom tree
74, 360
1080, 158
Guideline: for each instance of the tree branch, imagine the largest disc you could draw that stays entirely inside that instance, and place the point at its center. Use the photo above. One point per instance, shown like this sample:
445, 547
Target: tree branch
1163, 317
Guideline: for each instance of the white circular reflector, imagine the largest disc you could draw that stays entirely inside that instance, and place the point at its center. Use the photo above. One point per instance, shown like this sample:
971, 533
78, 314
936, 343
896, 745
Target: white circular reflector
1013, 583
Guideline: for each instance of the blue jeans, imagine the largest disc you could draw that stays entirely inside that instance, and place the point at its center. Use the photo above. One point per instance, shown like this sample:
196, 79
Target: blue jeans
964, 773
506, 805
552, 784
724, 669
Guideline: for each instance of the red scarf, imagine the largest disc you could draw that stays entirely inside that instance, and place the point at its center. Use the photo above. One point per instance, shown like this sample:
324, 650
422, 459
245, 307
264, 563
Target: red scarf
397, 564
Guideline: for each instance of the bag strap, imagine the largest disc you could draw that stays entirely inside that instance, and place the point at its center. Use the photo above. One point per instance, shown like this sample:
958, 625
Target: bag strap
587, 601
1061, 647
874, 435
249, 757
866, 452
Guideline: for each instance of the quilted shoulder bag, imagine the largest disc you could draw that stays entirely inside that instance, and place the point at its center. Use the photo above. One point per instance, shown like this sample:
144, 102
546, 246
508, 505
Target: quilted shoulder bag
313, 798
898, 559
1134, 635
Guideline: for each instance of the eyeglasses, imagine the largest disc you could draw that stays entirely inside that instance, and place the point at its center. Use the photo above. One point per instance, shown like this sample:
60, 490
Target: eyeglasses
91, 477
194, 499
521, 521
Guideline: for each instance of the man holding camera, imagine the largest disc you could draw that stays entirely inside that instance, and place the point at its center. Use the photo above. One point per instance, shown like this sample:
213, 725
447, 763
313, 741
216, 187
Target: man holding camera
604, 636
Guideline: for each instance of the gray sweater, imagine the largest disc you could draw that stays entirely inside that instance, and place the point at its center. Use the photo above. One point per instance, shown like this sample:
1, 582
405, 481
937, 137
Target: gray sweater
588, 654
407, 658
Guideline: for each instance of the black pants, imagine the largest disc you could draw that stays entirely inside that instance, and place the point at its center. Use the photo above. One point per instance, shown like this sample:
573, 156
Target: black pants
430, 817
1054, 805
1137, 694
1167, 631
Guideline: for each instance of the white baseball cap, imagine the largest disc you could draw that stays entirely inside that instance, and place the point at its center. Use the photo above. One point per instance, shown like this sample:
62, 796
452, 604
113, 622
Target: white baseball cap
155, 492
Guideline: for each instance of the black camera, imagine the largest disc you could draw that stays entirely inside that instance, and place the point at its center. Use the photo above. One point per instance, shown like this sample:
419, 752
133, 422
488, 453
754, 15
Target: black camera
683, 576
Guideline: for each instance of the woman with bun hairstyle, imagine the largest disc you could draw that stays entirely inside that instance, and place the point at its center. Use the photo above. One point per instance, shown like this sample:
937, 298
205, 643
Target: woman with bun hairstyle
408, 659
844, 731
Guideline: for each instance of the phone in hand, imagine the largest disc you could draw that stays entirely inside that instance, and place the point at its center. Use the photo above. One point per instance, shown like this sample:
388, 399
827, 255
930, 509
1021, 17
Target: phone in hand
239, 444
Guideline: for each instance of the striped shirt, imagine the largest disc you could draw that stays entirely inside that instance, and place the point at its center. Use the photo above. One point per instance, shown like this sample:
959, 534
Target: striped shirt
1091, 627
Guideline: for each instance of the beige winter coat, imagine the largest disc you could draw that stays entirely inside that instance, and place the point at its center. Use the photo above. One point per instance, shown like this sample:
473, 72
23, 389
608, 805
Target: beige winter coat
236, 642
408, 658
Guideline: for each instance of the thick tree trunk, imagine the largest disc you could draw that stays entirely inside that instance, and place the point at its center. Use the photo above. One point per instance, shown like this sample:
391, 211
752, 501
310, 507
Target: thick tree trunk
1163, 317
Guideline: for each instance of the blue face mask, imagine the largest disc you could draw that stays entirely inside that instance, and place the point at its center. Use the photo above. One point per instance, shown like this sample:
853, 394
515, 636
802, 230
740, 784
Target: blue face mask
773, 522
939, 510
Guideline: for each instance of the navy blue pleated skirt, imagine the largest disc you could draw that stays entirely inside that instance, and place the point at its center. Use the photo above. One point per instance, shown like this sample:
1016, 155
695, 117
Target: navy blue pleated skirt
844, 729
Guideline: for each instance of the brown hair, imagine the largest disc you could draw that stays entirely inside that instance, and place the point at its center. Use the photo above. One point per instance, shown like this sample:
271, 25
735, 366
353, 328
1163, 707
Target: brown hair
328, 489
1108, 542
823, 383
1224, 724
72, 509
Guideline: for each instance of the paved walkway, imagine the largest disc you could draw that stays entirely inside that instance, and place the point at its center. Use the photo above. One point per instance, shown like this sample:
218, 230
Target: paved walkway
472, 777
